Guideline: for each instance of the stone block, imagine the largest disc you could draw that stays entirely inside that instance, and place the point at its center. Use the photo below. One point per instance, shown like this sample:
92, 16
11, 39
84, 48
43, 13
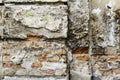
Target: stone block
41, 20
103, 23
35, 58
35, 0
78, 23
33, 78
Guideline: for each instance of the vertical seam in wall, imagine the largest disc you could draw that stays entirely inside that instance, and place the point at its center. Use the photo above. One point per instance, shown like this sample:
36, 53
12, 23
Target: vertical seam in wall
69, 53
68, 61
90, 40
1, 61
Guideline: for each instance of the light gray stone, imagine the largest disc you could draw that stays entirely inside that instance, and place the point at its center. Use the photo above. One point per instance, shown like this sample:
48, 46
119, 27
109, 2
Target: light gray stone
75, 75
8, 71
116, 5
53, 66
80, 70
0, 1
32, 78
41, 20
35, 0
79, 66
103, 22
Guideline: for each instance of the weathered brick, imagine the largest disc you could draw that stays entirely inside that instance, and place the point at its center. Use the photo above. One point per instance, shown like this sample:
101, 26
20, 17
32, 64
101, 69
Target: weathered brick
108, 75
79, 67
83, 50
78, 23
30, 56
35, 0
50, 21
112, 51
117, 71
106, 50
107, 62
106, 67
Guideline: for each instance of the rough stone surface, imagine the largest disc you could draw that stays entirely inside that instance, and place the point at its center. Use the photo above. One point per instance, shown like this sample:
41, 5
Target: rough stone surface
41, 20
78, 23
35, 0
34, 58
32, 78
1, 20
0, 59
103, 23
59, 39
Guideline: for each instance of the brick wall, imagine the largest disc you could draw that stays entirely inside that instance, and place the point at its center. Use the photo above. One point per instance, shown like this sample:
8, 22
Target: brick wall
59, 40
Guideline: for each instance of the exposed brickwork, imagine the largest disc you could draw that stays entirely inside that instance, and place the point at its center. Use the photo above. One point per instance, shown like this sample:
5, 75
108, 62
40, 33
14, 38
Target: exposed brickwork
34, 58
59, 39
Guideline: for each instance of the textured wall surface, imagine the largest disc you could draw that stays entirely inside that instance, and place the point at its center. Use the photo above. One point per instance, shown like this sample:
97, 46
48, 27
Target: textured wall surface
59, 39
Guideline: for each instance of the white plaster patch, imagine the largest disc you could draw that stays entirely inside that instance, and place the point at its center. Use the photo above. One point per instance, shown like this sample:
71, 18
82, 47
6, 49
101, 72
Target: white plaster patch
27, 65
18, 57
53, 66
112, 35
96, 11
